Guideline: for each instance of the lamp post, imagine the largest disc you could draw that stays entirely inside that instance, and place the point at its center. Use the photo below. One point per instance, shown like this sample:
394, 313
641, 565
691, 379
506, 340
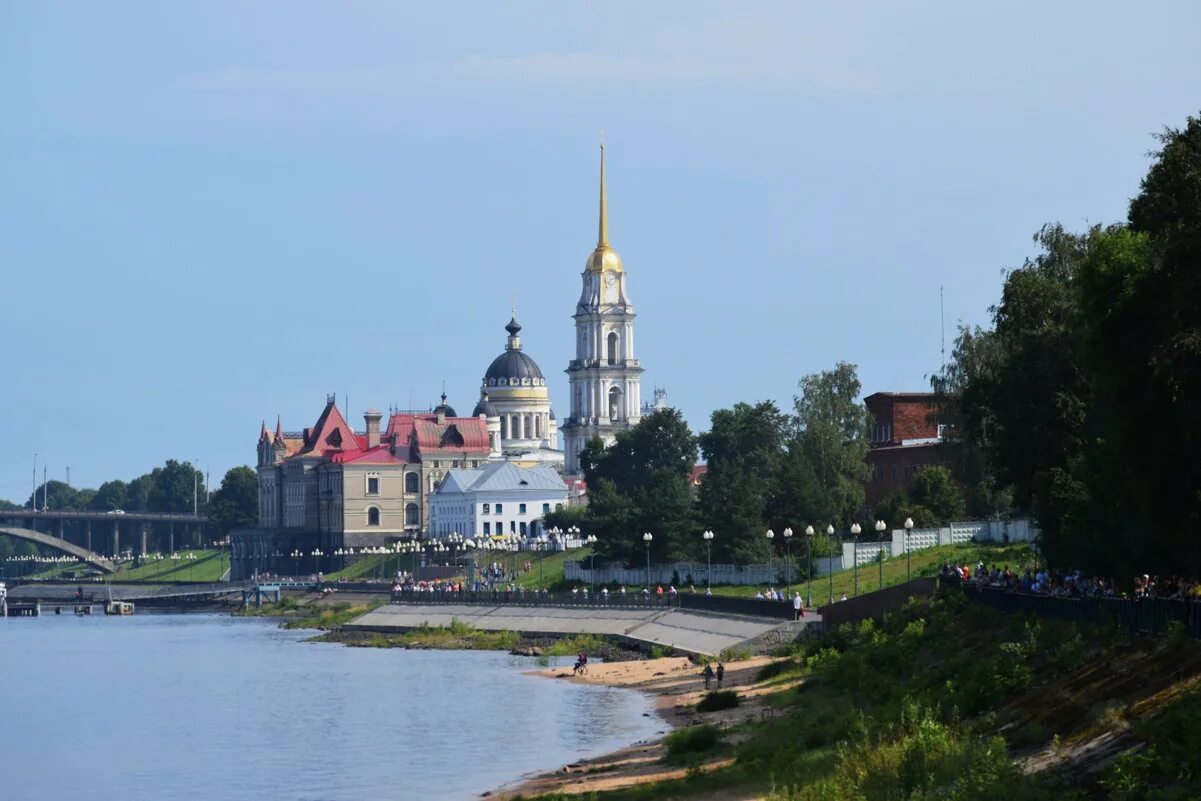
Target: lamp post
590, 541
855, 529
830, 533
908, 560
880, 526
809, 553
708, 538
317, 554
542, 540
771, 535
647, 537
787, 543
296, 554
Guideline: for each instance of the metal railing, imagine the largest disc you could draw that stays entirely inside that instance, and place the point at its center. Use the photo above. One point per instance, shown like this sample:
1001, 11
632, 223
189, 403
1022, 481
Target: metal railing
780, 610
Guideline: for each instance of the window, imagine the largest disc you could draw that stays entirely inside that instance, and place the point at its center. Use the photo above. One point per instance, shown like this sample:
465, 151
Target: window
487, 508
412, 483
523, 531
546, 508
613, 348
558, 507
373, 486
487, 529
373, 516
512, 526
500, 507
412, 515
521, 508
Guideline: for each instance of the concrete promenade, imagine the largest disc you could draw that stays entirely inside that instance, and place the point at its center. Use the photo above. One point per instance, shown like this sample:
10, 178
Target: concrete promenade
701, 633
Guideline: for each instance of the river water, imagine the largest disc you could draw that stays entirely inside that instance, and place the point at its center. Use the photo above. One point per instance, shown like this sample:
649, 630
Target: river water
213, 707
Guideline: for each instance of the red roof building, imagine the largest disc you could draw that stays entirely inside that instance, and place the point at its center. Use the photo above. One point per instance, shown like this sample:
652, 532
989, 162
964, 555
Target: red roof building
905, 436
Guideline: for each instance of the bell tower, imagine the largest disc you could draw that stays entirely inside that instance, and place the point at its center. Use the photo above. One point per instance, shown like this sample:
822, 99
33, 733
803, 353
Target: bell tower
604, 375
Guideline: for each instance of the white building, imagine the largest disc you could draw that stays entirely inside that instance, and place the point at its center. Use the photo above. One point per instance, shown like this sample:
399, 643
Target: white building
500, 498
604, 375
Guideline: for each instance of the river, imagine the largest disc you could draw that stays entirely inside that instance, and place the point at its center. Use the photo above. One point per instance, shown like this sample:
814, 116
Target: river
214, 707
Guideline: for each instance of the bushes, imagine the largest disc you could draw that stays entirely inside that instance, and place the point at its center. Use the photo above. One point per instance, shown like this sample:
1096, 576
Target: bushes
691, 743
718, 699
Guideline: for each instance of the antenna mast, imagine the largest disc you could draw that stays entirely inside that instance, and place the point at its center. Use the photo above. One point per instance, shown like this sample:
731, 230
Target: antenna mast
942, 330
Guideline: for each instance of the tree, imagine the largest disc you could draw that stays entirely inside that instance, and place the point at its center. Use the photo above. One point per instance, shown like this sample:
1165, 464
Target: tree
832, 435
640, 483
934, 490
745, 452
235, 504
111, 495
175, 487
58, 495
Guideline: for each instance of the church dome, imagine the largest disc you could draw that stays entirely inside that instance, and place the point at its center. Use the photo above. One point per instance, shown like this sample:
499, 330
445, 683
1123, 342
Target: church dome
513, 368
604, 260
485, 408
513, 364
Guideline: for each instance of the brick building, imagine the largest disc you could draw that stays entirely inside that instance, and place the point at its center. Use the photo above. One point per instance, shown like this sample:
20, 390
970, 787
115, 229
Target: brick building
905, 436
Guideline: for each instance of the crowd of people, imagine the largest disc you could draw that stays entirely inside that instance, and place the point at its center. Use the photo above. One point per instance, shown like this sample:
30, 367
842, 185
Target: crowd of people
1070, 583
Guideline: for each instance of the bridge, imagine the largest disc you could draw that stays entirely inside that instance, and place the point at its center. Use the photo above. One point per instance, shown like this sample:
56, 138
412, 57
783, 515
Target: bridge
25, 523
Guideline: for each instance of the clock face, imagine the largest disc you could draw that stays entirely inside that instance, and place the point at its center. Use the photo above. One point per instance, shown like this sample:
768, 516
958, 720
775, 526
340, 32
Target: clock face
610, 279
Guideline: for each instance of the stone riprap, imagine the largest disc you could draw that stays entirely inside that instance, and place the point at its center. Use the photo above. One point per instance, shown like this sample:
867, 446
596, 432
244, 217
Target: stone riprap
705, 634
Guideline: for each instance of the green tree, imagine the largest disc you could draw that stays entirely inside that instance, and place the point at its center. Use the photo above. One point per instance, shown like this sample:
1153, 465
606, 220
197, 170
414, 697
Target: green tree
58, 495
235, 504
640, 483
745, 452
174, 488
832, 435
111, 495
934, 490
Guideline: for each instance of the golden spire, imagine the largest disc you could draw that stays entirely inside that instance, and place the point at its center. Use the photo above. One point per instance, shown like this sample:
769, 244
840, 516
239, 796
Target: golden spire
603, 236
603, 258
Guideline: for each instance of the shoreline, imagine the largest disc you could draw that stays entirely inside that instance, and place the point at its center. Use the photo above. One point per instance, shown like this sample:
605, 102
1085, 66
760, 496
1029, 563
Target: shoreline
674, 685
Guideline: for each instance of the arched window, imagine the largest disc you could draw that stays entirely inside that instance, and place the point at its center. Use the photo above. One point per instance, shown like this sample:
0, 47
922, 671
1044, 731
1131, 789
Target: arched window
612, 347
373, 516
615, 404
412, 515
412, 482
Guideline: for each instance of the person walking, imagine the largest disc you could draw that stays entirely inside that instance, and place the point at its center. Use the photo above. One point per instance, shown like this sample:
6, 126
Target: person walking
798, 610
721, 674
708, 674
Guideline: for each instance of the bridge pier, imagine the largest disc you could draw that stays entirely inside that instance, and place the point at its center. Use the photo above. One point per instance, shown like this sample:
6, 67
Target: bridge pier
88, 530
171, 537
61, 529
142, 543
116, 539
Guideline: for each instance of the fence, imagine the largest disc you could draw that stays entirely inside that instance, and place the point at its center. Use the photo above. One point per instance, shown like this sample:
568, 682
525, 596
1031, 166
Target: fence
875, 604
779, 610
684, 574
1132, 615
1019, 530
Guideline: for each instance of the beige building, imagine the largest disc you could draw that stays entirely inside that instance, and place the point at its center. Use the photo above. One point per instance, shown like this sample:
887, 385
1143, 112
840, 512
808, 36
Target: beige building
353, 489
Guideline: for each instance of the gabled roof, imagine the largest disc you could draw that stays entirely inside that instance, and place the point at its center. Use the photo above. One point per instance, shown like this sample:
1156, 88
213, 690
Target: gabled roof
331, 433
502, 476
456, 434
378, 455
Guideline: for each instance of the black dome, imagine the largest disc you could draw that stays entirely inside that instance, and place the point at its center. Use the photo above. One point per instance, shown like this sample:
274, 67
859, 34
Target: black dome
485, 408
445, 408
513, 364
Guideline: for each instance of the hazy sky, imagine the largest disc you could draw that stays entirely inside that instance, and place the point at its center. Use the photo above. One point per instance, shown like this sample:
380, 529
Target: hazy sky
211, 213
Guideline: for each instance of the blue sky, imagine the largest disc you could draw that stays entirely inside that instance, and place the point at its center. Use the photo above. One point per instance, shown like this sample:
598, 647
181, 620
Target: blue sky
216, 212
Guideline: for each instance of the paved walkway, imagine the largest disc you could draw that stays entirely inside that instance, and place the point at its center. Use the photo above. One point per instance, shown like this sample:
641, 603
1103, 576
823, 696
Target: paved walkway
703, 633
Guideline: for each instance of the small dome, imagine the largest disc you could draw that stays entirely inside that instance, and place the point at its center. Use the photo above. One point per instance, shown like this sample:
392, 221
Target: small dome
604, 259
514, 327
552, 413
513, 364
445, 408
485, 407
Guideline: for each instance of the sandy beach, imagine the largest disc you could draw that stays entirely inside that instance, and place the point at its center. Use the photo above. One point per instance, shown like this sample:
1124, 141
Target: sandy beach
676, 685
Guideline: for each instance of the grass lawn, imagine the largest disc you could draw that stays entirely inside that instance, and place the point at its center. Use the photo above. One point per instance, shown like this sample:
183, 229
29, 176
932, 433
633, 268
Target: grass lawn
209, 565
925, 562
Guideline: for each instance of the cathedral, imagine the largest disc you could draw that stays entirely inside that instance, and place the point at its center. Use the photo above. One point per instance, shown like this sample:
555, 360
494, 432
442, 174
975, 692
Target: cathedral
604, 376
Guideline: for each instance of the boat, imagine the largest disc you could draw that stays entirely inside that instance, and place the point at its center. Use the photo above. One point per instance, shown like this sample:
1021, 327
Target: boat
117, 607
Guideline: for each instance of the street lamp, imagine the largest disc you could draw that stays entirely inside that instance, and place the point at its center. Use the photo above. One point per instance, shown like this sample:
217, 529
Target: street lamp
296, 554
647, 537
317, 554
809, 553
590, 541
771, 535
880, 526
908, 560
787, 542
708, 538
830, 563
855, 529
